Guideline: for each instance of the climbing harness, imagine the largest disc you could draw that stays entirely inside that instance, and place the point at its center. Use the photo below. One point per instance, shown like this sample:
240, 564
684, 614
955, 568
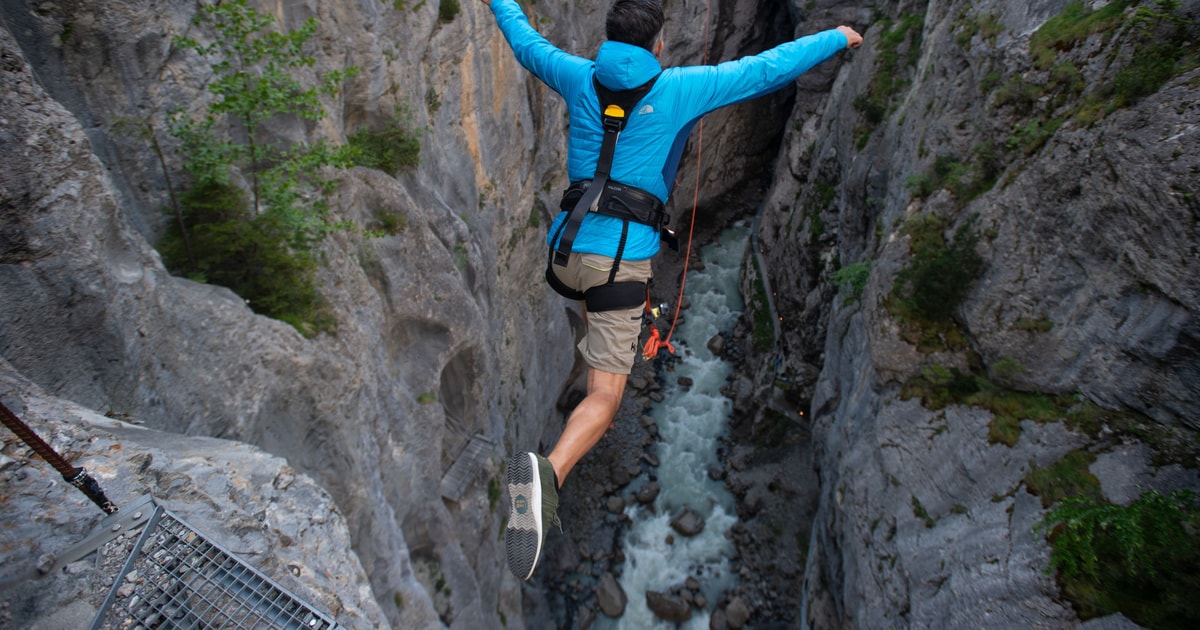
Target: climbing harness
630, 204
609, 198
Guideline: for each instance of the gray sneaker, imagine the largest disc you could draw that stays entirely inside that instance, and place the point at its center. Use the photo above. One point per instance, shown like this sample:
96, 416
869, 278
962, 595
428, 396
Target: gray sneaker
534, 507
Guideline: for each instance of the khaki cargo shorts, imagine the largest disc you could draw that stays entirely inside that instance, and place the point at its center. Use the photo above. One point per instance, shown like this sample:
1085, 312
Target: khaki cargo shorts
611, 341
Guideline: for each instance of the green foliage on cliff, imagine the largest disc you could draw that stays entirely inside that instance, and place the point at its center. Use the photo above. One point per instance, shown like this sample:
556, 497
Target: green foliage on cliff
1076, 23
263, 248
763, 334
448, 10
939, 387
967, 180
255, 255
986, 25
940, 273
1148, 44
820, 199
899, 47
1068, 477
255, 80
855, 276
1142, 560
392, 149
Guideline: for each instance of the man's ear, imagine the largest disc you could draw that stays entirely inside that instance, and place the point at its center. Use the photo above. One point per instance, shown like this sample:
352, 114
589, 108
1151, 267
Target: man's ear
658, 48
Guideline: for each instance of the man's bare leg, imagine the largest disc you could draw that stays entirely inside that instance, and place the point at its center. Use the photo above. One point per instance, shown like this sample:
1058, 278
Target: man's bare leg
588, 421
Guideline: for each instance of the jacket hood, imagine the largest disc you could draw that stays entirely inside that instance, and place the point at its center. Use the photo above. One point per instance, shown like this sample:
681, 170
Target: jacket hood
621, 66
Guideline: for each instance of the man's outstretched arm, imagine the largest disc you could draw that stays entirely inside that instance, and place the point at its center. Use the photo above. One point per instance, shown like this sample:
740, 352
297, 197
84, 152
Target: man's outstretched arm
558, 69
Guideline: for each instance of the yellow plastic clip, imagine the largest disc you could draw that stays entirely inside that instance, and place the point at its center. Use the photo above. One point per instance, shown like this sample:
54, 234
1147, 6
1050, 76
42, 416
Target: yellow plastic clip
614, 111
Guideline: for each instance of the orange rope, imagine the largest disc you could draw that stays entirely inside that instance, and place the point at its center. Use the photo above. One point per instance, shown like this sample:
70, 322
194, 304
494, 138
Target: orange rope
656, 341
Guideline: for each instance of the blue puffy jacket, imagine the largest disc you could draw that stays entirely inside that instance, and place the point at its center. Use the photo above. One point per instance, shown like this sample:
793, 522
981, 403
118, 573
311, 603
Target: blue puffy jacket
648, 152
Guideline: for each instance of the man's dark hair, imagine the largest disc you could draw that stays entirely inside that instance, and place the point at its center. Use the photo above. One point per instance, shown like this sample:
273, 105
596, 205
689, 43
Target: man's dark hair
636, 22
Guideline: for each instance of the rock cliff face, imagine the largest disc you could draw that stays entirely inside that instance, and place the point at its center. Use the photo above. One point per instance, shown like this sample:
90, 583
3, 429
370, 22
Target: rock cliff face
1088, 232
434, 344
445, 331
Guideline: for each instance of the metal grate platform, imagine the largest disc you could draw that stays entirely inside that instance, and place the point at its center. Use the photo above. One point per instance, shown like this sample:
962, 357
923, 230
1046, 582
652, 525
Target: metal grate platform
180, 579
466, 468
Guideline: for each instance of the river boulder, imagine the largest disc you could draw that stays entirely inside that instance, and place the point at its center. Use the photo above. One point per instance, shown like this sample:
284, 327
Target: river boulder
648, 493
610, 596
688, 523
716, 345
737, 613
668, 607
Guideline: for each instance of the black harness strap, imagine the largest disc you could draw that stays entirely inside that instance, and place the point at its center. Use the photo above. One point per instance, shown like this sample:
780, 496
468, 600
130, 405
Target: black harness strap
614, 113
622, 201
610, 296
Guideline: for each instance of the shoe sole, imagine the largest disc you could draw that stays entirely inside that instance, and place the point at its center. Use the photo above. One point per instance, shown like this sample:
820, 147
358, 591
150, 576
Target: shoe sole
523, 535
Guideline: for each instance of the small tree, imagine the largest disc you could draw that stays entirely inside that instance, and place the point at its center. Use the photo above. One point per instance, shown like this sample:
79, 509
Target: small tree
261, 250
254, 81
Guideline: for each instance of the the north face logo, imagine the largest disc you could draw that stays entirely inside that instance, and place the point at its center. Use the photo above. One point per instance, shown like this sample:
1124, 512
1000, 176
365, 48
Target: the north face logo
646, 109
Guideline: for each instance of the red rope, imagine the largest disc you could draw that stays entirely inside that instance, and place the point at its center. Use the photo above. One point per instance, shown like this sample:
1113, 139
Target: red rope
656, 341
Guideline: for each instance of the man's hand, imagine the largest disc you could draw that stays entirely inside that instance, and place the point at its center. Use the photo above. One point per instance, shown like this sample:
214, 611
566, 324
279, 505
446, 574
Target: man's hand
853, 39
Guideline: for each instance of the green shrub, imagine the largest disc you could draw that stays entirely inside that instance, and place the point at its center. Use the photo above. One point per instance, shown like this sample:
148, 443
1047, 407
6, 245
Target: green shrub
1010, 407
940, 274
986, 25
1028, 324
1032, 136
1007, 368
1020, 94
823, 194
1067, 477
255, 256
448, 10
990, 27
855, 275
391, 149
990, 81
919, 185
873, 109
938, 387
387, 223
966, 180
1160, 37
1151, 67
1066, 77
262, 248
1142, 560
493, 493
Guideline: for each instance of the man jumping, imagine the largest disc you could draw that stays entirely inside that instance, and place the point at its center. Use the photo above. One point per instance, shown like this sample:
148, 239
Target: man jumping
602, 243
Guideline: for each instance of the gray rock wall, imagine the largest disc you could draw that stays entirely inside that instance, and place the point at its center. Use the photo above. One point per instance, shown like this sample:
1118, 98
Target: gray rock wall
451, 310
1088, 289
425, 315
251, 503
1092, 232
